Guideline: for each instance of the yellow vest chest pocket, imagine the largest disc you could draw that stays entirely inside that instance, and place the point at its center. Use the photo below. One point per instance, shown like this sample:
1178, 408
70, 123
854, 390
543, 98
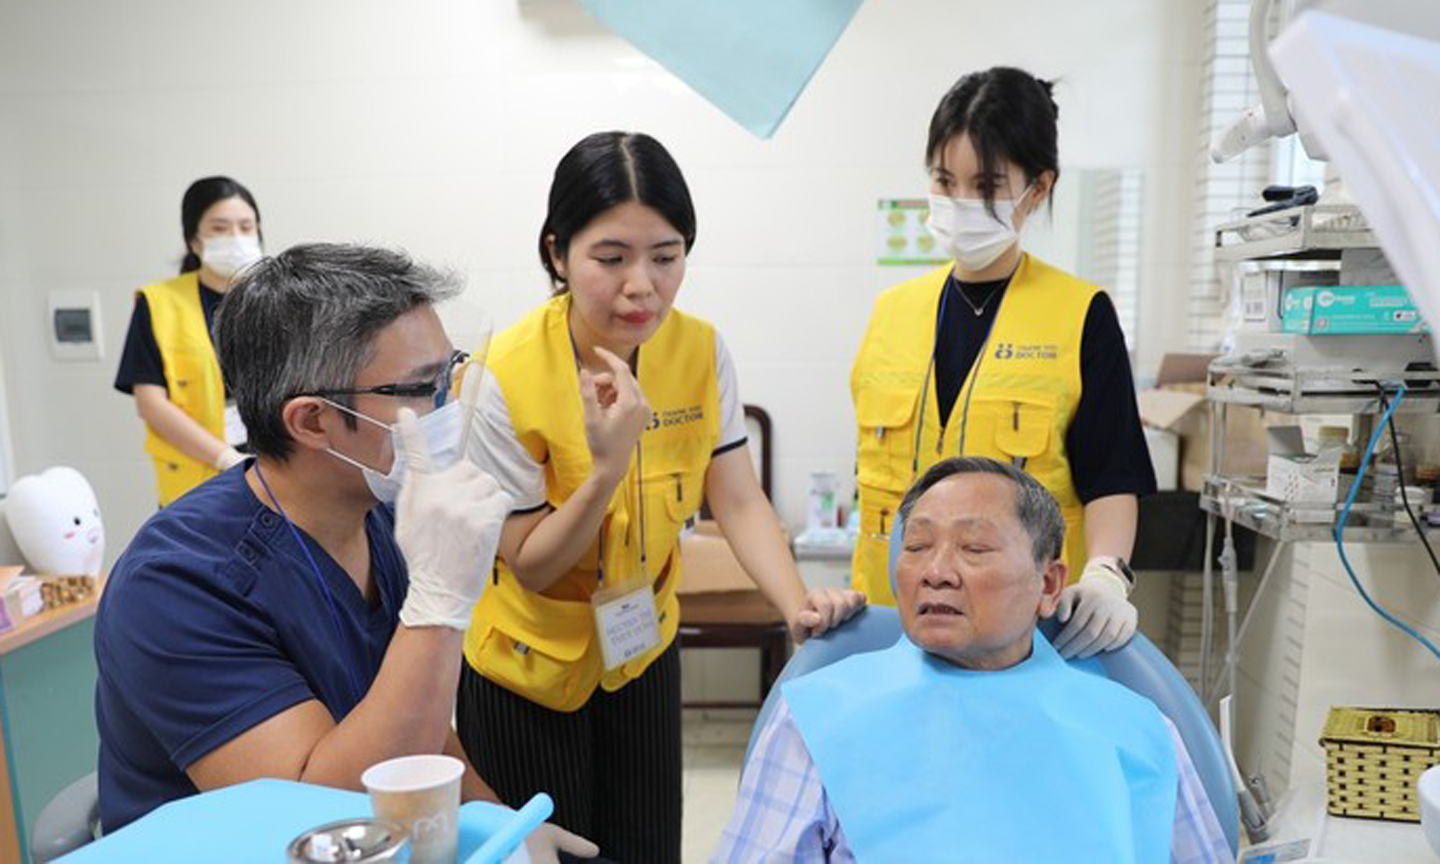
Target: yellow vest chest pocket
885, 451
674, 488
1017, 428
678, 494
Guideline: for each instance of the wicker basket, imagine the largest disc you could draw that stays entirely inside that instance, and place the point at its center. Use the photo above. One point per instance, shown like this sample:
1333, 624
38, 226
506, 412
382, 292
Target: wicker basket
1374, 757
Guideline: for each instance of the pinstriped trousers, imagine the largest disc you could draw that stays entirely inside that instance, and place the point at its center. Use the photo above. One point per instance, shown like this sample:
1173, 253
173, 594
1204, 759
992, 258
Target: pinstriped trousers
612, 767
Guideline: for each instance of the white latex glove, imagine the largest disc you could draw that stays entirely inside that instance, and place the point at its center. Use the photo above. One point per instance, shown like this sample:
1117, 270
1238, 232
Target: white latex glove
1099, 615
545, 844
447, 525
825, 608
227, 458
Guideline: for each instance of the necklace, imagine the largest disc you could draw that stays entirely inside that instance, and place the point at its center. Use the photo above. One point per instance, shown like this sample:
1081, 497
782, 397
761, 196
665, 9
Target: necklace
978, 310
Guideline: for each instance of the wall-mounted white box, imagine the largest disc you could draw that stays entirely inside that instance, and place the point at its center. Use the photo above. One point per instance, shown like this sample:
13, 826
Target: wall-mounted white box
73, 325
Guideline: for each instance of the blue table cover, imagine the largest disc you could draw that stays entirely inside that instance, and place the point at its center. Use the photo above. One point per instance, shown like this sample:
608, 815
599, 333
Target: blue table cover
255, 822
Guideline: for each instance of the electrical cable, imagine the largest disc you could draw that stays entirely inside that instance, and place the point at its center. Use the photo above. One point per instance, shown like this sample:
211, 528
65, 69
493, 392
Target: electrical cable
1404, 498
1345, 517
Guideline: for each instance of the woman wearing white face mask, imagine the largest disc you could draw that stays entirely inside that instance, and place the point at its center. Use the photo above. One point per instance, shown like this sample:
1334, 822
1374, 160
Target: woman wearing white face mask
169, 365
999, 354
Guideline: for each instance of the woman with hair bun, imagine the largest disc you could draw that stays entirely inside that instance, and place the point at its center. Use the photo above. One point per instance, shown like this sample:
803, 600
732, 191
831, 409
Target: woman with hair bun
608, 416
999, 354
168, 364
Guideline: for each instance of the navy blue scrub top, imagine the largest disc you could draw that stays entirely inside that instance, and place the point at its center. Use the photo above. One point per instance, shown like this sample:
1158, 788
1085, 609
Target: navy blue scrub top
213, 621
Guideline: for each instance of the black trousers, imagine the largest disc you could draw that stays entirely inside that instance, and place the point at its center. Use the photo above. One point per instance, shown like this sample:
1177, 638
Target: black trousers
613, 767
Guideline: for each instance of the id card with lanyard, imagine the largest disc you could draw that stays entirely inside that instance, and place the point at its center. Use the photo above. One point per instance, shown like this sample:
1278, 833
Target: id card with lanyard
626, 620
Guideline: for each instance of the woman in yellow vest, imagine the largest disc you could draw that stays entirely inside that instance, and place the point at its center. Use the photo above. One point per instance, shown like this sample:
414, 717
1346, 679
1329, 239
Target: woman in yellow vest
608, 416
999, 354
169, 363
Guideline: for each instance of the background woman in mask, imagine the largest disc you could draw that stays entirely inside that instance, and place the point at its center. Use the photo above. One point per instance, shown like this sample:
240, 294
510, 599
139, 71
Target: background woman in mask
169, 364
999, 354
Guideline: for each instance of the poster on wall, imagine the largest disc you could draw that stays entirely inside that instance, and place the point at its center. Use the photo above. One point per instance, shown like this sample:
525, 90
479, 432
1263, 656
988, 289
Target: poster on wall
902, 235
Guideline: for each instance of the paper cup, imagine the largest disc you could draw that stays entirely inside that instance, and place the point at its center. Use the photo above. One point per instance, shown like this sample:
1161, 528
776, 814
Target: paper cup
422, 793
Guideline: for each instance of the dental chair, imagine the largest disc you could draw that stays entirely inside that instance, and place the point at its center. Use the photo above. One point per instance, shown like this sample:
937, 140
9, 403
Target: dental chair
70, 820
1139, 666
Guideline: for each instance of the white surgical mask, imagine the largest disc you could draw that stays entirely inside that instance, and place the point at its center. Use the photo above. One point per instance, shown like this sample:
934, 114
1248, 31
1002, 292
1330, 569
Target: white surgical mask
442, 436
964, 228
228, 254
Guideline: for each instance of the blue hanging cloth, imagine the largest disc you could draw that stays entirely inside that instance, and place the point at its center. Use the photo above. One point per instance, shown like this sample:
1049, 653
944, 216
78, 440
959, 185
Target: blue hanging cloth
750, 58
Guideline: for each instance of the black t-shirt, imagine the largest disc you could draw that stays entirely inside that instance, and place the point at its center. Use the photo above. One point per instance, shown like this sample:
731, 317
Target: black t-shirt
140, 361
1105, 442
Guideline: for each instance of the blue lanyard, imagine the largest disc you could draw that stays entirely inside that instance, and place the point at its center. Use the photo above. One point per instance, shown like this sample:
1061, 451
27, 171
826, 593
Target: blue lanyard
974, 375
640, 509
319, 577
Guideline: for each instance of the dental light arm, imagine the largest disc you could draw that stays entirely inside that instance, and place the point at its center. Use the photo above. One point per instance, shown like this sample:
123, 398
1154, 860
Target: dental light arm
1271, 118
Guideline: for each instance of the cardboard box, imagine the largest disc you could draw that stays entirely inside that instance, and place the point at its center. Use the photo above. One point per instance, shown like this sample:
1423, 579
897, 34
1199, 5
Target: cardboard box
1298, 477
728, 607
1344, 309
714, 588
1164, 446
707, 563
1177, 404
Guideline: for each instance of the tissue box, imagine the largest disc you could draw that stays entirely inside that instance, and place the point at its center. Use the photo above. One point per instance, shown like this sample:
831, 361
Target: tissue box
20, 597
1262, 294
1351, 309
1297, 477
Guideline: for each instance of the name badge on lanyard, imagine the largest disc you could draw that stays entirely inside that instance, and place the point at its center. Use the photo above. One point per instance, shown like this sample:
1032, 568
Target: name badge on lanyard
626, 622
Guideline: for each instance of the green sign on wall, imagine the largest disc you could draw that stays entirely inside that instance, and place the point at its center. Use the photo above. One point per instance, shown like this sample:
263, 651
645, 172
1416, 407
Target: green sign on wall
903, 237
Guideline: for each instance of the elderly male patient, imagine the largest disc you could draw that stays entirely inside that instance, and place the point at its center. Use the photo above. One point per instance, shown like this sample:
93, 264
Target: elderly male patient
970, 739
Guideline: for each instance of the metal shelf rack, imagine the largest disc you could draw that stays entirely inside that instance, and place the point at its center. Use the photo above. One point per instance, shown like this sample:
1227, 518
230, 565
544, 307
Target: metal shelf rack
1243, 501
1317, 232
1278, 386
1323, 382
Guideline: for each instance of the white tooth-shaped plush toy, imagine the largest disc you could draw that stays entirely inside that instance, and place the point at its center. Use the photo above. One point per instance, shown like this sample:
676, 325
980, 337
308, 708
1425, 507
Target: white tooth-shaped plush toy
56, 522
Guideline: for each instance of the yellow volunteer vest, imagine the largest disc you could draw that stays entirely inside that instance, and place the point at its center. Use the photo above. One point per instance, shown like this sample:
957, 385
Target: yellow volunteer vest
1016, 403
542, 645
192, 375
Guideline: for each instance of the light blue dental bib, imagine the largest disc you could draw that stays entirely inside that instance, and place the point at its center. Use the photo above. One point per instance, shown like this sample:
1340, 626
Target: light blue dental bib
925, 761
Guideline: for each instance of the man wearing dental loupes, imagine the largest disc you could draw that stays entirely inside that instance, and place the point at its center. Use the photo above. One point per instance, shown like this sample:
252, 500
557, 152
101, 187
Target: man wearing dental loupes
276, 622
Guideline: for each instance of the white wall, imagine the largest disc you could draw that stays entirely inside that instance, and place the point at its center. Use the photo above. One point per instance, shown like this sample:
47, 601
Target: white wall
6, 459
434, 126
